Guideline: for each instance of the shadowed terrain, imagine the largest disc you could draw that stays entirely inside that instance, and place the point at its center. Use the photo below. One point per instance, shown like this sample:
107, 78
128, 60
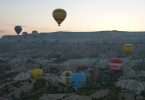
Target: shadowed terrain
56, 52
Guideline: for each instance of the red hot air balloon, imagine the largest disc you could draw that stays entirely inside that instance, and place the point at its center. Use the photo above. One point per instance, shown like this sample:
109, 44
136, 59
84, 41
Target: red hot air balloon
94, 74
116, 64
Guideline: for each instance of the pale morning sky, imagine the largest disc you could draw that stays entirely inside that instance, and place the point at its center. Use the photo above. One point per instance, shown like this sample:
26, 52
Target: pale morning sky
83, 15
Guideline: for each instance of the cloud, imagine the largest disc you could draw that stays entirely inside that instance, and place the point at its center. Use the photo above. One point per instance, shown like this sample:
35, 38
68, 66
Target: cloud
2, 31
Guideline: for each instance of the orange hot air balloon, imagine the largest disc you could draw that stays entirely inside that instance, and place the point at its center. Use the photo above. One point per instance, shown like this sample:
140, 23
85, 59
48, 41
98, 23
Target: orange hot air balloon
59, 15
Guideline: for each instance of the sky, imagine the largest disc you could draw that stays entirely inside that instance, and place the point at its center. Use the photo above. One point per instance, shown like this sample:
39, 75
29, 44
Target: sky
82, 15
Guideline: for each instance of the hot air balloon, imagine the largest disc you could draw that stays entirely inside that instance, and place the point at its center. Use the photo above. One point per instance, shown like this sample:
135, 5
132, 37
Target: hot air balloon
67, 77
67, 73
59, 15
93, 75
128, 49
116, 64
25, 33
37, 73
35, 32
18, 29
79, 80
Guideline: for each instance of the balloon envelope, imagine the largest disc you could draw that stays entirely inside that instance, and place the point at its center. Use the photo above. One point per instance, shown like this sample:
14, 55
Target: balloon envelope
67, 75
18, 29
93, 74
37, 73
59, 15
25, 33
35, 32
128, 49
116, 64
79, 80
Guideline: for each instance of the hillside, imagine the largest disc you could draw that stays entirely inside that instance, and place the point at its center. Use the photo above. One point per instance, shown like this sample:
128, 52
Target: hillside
42, 49
60, 51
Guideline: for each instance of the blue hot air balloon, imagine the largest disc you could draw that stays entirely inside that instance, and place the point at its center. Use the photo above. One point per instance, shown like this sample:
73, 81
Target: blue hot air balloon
79, 80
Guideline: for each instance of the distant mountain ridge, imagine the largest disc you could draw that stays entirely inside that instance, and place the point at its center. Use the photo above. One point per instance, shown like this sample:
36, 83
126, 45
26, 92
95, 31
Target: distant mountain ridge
106, 36
70, 44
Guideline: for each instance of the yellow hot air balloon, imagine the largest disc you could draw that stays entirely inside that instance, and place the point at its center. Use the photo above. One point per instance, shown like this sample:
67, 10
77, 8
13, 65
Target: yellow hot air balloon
59, 15
37, 73
67, 73
67, 77
128, 49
